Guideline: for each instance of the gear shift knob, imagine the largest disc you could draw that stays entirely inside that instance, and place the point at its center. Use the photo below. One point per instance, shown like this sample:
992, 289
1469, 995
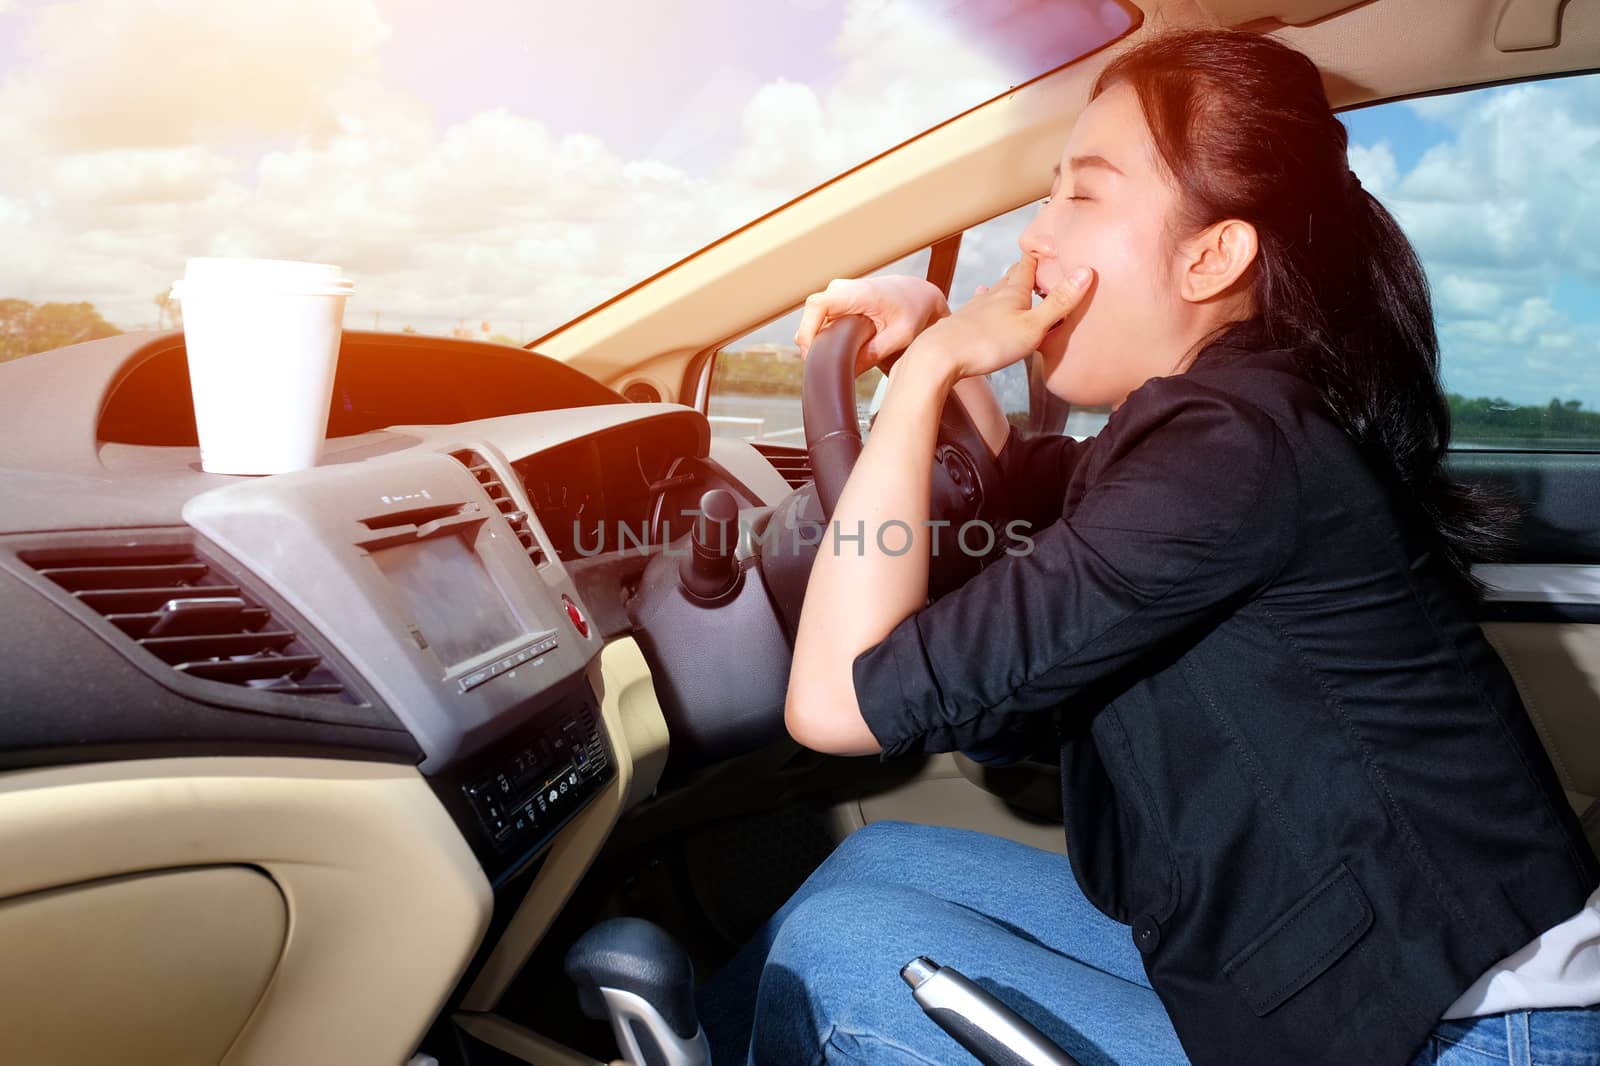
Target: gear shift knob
633, 973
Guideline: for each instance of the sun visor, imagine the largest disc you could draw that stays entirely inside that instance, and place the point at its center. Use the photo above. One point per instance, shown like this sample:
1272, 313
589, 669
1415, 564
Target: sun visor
1526, 24
1289, 12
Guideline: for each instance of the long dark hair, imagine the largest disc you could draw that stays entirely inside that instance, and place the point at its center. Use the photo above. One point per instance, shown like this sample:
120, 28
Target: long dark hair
1243, 124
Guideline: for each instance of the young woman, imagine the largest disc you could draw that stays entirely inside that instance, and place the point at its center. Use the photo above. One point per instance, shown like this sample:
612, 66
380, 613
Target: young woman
1307, 818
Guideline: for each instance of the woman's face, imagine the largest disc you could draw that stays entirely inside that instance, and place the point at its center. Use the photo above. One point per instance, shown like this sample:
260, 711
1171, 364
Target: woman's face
1108, 209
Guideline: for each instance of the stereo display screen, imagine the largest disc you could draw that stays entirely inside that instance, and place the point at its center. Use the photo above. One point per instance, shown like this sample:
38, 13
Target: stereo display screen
450, 597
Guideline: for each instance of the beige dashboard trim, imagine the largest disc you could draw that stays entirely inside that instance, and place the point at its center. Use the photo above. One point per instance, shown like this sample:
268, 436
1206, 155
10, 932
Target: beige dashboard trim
386, 902
525, 1044
169, 965
622, 683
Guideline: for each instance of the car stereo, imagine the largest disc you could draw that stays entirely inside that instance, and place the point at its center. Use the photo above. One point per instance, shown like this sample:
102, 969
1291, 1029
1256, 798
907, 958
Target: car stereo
411, 571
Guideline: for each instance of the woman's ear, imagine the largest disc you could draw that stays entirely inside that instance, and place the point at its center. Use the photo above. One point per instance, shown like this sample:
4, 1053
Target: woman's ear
1215, 259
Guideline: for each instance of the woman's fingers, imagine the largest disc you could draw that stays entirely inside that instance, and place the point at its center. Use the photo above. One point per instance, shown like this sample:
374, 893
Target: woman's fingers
1020, 275
811, 320
843, 296
1063, 299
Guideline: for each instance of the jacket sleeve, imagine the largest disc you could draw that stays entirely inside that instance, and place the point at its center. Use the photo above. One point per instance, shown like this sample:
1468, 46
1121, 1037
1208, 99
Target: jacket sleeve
1191, 509
1036, 468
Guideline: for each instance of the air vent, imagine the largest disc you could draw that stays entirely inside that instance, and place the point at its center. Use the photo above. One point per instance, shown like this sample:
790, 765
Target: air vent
516, 516
186, 612
793, 463
594, 750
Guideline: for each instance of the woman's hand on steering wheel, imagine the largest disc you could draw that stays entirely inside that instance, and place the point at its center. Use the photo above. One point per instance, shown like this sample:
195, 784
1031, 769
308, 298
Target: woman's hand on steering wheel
899, 306
999, 326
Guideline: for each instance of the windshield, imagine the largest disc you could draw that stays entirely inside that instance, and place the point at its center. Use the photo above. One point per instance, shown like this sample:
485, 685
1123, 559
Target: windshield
488, 170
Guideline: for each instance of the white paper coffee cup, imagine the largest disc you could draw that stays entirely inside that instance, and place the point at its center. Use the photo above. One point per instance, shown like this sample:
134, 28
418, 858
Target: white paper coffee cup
263, 340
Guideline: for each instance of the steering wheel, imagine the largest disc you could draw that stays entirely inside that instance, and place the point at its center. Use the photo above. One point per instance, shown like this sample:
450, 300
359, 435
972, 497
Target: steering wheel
967, 482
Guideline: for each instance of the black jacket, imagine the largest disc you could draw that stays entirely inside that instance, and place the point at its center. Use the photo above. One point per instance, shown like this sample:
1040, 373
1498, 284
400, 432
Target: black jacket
1290, 759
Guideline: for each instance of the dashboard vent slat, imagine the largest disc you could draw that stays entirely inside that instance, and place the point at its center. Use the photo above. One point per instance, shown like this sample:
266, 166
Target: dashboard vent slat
141, 624
479, 468
175, 650
793, 464
252, 668
181, 608
107, 601
124, 577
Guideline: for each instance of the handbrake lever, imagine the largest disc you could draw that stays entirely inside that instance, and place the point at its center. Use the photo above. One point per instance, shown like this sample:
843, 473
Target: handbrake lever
995, 1034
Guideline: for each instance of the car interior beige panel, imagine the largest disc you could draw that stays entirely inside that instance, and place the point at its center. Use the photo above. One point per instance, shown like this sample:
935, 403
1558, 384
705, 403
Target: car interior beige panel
665, 373
1292, 12
622, 683
997, 156
1392, 48
1030, 786
940, 795
160, 969
386, 901
1557, 670
1528, 24
524, 1044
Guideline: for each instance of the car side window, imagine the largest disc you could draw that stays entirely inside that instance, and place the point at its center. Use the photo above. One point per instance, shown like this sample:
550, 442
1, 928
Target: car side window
1498, 191
754, 393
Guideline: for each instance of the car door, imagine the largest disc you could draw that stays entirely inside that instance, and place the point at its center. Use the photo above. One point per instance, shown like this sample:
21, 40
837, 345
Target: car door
1497, 189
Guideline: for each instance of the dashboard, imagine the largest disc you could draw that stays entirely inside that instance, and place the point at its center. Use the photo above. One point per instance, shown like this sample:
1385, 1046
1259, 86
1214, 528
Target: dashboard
432, 593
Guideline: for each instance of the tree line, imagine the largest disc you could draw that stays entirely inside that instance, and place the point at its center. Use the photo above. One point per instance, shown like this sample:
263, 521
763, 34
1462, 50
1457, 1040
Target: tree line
1484, 420
27, 328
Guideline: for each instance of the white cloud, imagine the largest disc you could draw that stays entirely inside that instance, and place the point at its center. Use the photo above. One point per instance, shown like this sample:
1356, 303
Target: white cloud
141, 135
106, 180
784, 129
1442, 108
1505, 213
166, 72
1375, 166
1467, 297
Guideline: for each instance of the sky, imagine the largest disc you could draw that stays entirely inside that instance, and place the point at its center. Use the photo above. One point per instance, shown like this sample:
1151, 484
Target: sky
1499, 191
506, 162
512, 164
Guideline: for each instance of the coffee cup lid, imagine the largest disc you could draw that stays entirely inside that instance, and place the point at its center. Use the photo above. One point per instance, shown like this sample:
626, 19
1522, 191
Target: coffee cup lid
276, 275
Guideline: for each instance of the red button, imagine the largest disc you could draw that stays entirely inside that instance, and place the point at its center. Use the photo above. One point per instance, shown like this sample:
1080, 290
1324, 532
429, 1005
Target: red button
576, 616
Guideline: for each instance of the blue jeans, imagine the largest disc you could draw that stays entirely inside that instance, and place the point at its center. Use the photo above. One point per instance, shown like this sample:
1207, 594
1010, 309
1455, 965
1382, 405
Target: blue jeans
820, 981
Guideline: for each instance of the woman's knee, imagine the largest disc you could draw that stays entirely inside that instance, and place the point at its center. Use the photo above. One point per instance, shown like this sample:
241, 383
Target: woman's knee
836, 962
852, 935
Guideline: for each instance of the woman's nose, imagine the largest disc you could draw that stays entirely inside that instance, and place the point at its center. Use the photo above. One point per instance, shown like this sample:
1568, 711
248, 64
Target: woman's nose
1035, 241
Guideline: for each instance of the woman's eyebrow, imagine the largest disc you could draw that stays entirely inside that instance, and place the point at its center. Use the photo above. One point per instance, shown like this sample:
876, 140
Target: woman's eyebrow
1082, 162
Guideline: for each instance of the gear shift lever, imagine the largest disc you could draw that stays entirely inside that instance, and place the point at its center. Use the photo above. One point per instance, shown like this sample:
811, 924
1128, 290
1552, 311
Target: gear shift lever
631, 972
